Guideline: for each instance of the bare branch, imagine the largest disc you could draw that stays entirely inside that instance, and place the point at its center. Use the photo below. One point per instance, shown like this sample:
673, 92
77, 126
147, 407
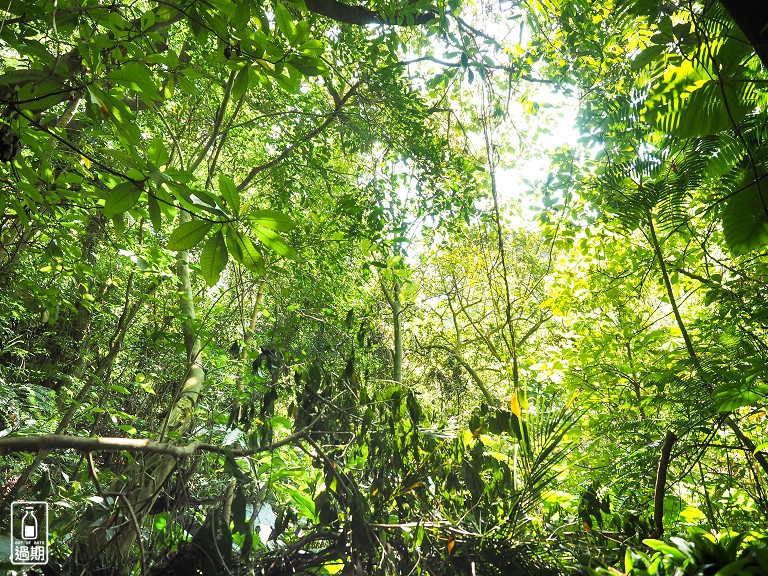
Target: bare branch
46, 442
307, 137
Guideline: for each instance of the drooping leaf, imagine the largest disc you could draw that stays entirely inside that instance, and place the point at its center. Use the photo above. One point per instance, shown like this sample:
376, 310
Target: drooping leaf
213, 259
188, 235
745, 215
155, 214
243, 13
121, 198
284, 21
116, 111
240, 86
243, 251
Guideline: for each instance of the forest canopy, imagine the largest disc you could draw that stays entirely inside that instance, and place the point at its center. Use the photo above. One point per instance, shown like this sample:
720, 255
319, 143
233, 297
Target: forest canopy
324, 287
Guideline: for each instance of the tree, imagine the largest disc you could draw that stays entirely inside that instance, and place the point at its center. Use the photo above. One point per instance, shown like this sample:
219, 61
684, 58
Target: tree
266, 306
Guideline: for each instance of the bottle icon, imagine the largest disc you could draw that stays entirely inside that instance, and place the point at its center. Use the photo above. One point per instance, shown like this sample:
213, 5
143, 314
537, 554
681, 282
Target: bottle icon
29, 524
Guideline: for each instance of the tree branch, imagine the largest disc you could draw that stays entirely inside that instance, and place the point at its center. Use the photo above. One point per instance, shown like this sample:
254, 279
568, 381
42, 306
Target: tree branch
490, 398
751, 17
661, 484
46, 442
308, 136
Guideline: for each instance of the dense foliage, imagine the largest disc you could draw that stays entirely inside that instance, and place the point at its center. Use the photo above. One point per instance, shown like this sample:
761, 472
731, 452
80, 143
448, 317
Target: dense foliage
281, 291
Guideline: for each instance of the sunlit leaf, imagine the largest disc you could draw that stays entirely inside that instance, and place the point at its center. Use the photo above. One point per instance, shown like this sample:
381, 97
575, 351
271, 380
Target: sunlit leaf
274, 242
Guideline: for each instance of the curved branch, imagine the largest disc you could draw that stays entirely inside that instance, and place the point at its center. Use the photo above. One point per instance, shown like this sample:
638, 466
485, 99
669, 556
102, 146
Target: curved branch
490, 398
308, 136
752, 18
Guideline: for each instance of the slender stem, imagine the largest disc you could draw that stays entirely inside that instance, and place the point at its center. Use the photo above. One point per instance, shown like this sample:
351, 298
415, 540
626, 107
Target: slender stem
743, 438
502, 253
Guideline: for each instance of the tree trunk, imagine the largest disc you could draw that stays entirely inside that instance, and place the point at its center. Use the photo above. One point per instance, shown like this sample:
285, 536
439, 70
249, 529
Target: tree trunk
393, 299
145, 484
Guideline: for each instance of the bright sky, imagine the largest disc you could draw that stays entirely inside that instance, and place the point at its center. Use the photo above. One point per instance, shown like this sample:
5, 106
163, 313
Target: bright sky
558, 130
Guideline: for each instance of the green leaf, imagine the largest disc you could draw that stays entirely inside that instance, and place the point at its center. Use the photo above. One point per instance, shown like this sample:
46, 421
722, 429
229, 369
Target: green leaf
112, 108
229, 193
157, 152
188, 235
136, 76
313, 47
730, 397
664, 548
274, 242
304, 503
240, 86
154, 213
284, 21
213, 259
243, 14
118, 221
689, 105
272, 219
745, 221
42, 94
308, 65
148, 19
121, 198
243, 250
736, 568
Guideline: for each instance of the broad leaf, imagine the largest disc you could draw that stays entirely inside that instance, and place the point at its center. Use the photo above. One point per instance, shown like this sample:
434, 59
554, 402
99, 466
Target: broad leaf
213, 259
112, 108
745, 216
188, 235
689, 102
136, 76
157, 152
274, 242
243, 251
121, 198
229, 193
240, 86
284, 21
155, 214
272, 219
